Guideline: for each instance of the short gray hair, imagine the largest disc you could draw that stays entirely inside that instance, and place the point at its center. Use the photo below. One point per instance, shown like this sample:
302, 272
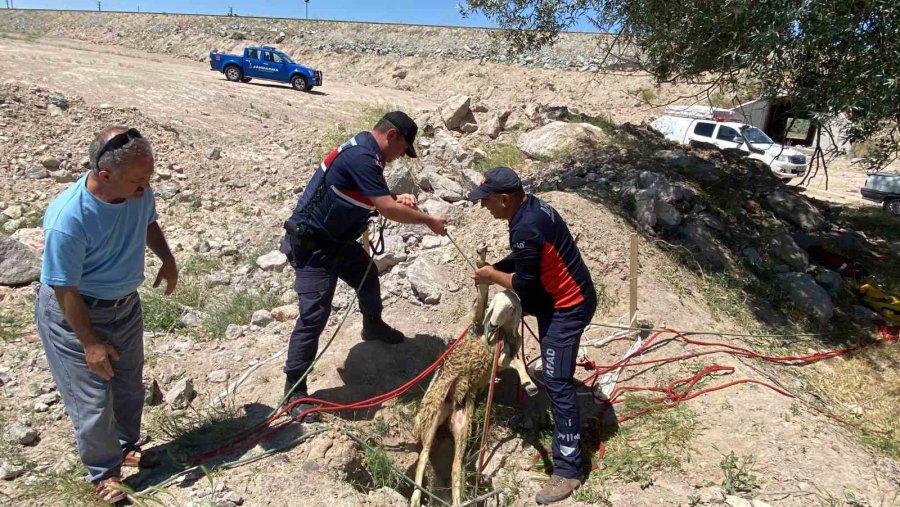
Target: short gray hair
114, 159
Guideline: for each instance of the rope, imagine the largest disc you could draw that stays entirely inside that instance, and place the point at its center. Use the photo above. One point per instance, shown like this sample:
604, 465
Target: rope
460, 250
265, 430
487, 413
681, 390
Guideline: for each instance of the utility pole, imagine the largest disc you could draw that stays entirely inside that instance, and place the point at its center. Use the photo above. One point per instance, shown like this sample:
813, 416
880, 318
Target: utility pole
307, 9
98, 6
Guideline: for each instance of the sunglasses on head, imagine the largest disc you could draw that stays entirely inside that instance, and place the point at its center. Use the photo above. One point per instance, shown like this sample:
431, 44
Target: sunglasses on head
115, 142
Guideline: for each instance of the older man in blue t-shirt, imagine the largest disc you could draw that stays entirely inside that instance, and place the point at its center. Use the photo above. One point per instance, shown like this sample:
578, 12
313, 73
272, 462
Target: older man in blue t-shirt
88, 312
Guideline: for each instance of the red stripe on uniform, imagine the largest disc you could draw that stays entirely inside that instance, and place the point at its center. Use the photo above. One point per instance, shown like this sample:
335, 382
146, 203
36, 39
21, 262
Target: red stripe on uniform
330, 158
357, 196
557, 280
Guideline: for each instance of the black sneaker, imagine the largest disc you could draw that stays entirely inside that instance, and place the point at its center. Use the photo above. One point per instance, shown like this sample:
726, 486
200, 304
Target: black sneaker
377, 329
299, 408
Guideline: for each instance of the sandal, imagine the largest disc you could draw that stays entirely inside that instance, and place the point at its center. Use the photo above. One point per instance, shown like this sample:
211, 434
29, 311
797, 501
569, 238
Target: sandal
137, 458
110, 489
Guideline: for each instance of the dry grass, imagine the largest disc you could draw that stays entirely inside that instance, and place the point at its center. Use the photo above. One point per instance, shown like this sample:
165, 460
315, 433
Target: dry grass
864, 389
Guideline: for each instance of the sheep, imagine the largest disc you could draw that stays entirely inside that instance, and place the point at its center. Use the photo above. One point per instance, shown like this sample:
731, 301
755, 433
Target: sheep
451, 396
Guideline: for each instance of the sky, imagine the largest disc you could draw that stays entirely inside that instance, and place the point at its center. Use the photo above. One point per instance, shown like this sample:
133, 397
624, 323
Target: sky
429, 12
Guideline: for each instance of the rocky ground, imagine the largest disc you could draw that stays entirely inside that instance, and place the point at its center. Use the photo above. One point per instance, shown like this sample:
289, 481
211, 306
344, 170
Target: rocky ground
724, 246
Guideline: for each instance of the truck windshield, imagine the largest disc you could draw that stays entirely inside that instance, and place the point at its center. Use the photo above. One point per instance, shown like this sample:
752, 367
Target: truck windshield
286, 58
755, 136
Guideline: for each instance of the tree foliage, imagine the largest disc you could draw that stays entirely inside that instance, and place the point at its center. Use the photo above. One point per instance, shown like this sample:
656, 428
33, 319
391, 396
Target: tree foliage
828, 57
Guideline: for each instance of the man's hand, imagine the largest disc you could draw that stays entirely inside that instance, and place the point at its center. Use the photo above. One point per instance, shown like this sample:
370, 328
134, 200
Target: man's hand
408, 200
484, 274
97, 355
438, 225
169, 272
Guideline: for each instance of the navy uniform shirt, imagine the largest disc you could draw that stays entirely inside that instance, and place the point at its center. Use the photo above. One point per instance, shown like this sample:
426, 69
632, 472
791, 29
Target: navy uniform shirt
337, 202
549, 273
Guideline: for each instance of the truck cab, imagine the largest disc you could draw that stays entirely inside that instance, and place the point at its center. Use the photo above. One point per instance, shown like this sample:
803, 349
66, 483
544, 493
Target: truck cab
692, 127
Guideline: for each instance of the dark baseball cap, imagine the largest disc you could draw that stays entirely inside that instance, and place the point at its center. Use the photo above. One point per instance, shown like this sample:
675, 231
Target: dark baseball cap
499, 180
407, 128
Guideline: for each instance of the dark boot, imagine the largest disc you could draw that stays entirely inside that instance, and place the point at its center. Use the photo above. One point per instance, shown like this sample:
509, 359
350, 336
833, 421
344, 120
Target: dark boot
556, 488
298, 393
377, 329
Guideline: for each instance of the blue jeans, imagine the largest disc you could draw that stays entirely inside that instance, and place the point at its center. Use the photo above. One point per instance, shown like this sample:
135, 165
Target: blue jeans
106, 414
560, 334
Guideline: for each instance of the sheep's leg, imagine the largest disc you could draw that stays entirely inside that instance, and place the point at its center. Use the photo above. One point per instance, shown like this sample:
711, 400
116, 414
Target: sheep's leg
460, 424
427, 440
512, 354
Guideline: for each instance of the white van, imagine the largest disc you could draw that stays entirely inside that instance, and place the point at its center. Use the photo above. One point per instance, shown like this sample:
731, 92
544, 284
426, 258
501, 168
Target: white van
689, 126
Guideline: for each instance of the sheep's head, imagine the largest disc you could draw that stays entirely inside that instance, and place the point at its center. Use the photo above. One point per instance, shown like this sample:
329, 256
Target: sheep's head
505, 311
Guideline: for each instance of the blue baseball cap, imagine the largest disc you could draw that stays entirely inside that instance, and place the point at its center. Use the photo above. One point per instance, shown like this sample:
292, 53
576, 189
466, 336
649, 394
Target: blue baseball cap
499, 180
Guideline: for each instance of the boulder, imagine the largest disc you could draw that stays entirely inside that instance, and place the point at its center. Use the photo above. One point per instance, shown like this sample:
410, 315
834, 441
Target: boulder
455, 111
400, 180
807, 294
796, 210
426, 280
180, 395
272, 261
19, 265
785, 248
442, 186
558, 136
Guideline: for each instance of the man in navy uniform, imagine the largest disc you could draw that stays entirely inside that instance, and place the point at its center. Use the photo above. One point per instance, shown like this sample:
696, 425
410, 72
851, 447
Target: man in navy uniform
546, 271
344, 192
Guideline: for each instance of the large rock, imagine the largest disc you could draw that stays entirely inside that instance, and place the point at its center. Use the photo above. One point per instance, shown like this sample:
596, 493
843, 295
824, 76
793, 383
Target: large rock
807, 294
796, 210
272, 261
830, 281
286, 313
261, 318
559, 136
32, 237
703, 245
445, 148
19, 264
645, 208
455, 111
181, 394
785, 248
442, 186
20, 433
667, 214
394, 252
426, 280
400, 181
494, 127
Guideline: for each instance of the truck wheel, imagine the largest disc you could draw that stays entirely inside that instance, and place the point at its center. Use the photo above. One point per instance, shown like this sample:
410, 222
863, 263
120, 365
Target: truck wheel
233, 73
246, 79
893, 206
299, 83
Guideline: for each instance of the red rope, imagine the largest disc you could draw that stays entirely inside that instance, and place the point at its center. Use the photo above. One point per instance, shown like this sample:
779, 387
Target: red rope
325, 406
490, 405
682, 390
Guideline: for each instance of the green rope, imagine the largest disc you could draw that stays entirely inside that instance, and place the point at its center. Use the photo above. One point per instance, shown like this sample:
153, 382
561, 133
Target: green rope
395, 469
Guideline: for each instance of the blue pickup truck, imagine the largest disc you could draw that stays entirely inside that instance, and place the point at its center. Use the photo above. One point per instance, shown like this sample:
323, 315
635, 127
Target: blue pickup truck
265, 62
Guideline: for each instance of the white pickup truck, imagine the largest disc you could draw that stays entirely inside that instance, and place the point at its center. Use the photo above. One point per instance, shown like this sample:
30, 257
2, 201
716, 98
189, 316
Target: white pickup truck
686, 128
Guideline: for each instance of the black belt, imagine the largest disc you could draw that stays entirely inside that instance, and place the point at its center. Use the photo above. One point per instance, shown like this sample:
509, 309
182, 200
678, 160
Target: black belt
93, 302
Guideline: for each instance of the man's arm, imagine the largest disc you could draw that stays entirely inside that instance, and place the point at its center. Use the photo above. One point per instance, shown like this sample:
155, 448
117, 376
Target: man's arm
96, 352
394, 210
525, 261
169, 270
